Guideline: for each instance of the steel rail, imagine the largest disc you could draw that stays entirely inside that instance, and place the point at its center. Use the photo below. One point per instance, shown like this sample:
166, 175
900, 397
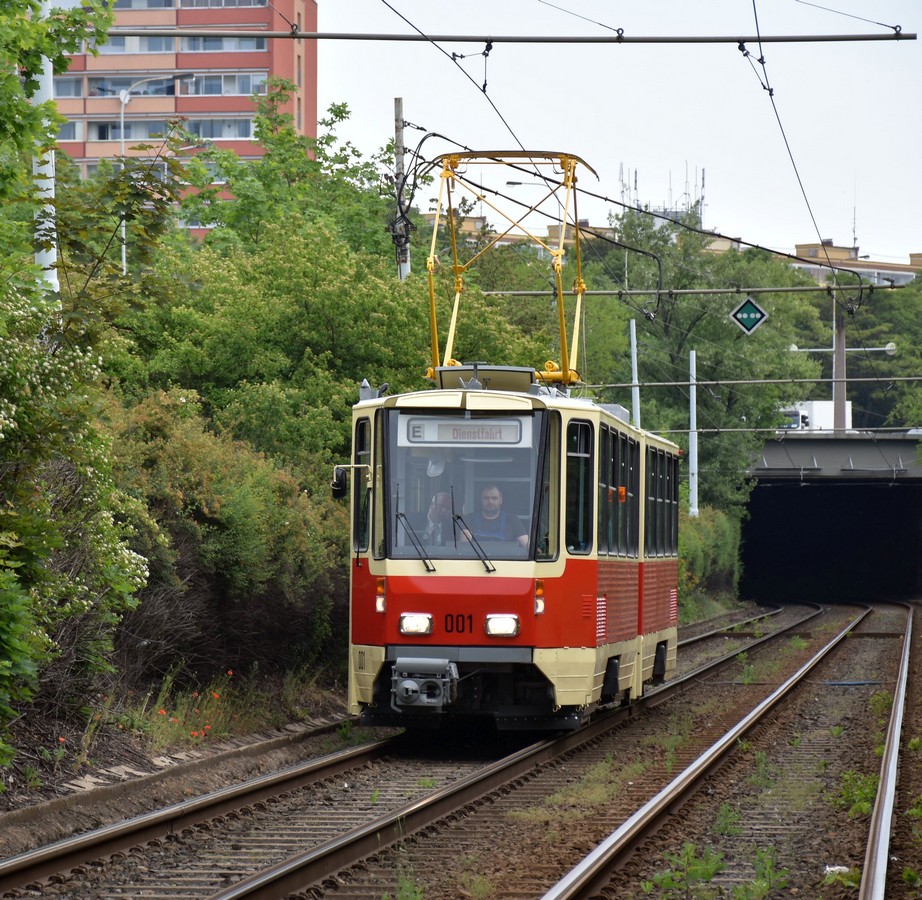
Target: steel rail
590, 874
730, 626
874, 875
307, 868
302, 870
42, 862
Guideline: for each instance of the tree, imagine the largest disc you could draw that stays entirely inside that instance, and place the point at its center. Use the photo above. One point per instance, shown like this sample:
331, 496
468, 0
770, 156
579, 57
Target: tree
675, 257
26, 40
875, 318
314, 180
66, 570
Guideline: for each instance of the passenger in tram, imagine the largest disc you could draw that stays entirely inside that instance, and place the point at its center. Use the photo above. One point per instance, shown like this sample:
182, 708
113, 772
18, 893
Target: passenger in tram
492, 522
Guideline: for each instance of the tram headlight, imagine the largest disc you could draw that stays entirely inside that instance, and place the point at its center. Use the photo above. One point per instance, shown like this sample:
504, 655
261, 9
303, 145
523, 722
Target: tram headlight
502, 625
539, 597
415, 623
380, 595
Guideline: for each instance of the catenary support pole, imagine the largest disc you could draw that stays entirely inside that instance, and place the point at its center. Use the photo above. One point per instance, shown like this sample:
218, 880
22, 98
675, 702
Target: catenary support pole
401, 224
635, 381
692, 435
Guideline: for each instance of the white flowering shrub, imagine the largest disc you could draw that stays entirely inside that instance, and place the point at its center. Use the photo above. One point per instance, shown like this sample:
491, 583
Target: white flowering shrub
66, 571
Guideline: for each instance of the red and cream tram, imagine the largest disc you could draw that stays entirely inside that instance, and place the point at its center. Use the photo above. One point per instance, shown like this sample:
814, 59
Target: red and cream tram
514, 548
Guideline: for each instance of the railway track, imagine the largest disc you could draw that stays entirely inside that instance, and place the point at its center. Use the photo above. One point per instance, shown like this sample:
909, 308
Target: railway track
377, 797
769, 824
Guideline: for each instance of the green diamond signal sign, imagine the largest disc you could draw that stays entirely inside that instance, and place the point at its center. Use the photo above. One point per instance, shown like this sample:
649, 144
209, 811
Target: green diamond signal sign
749, 315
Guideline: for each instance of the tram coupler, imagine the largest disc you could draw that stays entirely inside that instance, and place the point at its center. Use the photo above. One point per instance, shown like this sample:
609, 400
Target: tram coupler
422, 682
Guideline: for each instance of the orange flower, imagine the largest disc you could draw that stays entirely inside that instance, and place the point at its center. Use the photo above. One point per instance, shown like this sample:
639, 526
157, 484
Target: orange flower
194, 733
161, 712
62, 740
173, 719
216, 695
230, 671
207, 728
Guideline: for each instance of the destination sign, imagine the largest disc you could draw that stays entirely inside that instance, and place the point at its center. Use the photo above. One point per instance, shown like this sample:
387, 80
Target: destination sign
446, 432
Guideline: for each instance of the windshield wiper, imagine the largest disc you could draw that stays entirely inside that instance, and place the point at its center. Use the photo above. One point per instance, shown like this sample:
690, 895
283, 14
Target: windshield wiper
417, 543
487, 564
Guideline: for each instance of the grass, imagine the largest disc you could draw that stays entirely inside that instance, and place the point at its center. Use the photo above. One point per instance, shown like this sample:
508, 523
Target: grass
857, 793
700, 606
599, 784
680, 726
176, 715
764, 775
728, 821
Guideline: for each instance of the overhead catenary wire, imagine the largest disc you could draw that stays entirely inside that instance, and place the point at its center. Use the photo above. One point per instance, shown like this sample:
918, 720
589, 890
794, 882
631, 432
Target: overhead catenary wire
488, 46
729, 381
506, 38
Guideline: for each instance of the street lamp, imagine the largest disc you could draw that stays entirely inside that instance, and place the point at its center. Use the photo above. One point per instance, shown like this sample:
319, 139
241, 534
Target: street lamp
124, 97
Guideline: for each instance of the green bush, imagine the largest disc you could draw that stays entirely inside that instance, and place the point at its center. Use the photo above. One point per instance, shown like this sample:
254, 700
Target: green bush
245, 565
709, 550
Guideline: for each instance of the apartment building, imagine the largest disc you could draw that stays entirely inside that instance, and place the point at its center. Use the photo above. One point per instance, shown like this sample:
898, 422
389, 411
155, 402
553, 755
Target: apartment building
872, 271
127, 94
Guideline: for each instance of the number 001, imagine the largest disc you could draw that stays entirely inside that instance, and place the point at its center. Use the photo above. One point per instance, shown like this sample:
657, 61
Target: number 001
459, 623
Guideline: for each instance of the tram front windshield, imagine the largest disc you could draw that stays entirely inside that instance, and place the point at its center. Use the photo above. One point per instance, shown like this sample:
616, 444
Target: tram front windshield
462, 484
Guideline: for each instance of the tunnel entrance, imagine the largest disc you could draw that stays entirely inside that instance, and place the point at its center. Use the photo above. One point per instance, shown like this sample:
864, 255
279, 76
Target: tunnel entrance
832, 541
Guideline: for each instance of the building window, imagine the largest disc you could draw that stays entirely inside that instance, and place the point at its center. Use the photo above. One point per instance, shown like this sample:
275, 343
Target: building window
137, 130
156, 44
241, 84
112, 86
143, 4
116, 44
222, 129
212, 4
138, 44
68, 87
222, 44
70, 131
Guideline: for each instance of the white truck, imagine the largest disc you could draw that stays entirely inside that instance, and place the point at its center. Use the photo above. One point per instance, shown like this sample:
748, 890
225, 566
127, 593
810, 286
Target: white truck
814, 415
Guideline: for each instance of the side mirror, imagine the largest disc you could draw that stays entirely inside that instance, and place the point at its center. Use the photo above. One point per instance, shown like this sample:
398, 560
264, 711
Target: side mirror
340, 484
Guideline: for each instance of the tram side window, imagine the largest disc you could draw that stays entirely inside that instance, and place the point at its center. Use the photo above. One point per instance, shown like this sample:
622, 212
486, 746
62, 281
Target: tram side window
379, 491
547, 536
653, 525
672, 546
580, 487
662, 508
629, 511
361, 496
649, 528
615, 494
607, 493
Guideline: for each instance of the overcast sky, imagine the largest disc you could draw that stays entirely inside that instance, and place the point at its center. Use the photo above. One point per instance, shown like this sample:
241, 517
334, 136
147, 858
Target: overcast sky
664, 114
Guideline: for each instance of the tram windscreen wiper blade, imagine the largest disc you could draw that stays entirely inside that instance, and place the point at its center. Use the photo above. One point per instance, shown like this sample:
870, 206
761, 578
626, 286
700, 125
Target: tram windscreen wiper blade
416, 542
487, 564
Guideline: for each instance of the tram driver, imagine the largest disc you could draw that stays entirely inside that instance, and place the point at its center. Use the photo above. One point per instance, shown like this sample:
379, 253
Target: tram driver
492, 522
